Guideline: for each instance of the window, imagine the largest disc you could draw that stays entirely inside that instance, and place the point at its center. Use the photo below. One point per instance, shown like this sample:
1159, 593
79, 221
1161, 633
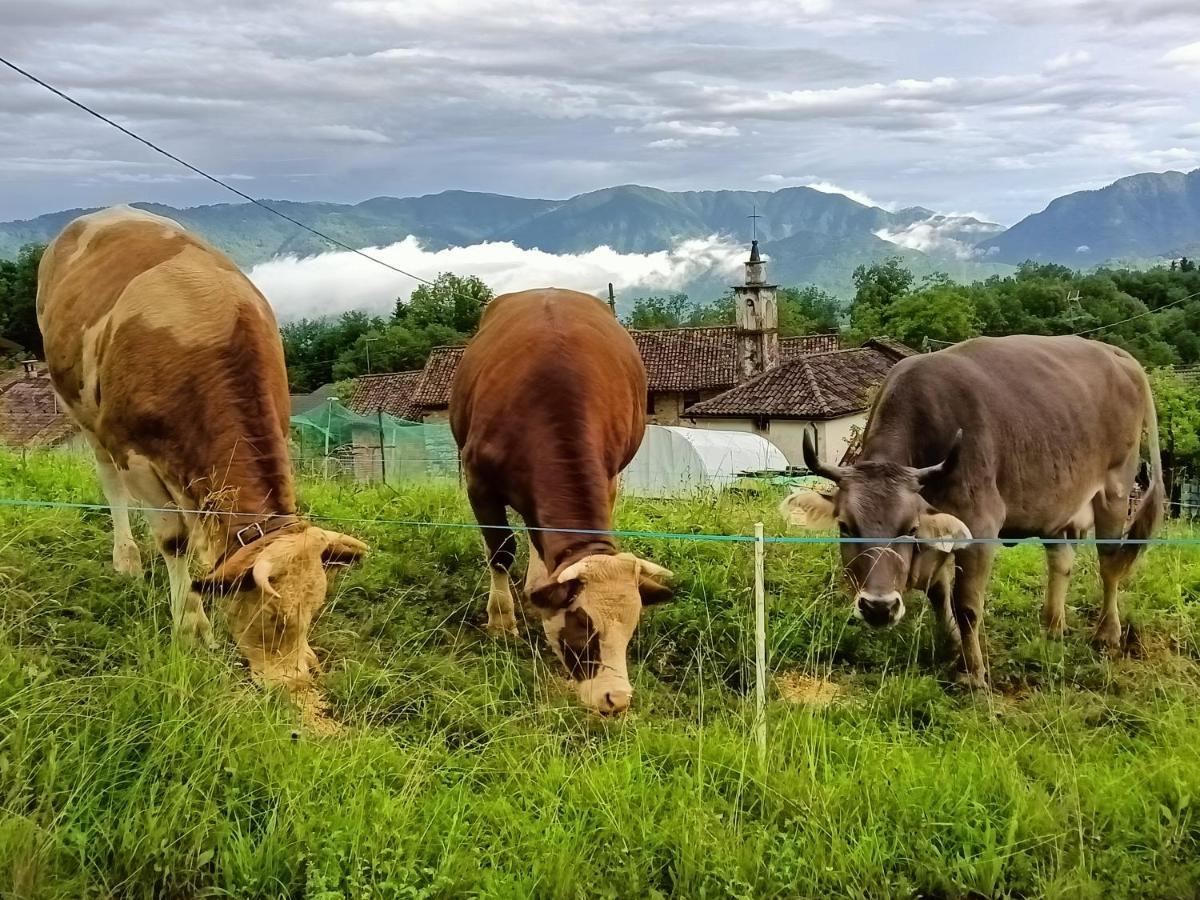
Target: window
690, 399
650, 403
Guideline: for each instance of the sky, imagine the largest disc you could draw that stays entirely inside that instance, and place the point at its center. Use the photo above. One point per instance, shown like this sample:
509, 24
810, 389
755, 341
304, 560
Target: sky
991, 108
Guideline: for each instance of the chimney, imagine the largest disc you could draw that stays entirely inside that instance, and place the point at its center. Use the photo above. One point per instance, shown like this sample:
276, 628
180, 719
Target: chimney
757, 318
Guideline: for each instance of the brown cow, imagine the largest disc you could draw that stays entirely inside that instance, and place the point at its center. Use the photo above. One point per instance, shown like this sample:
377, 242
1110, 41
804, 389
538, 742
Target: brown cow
1012, 437
171, 363
547, 408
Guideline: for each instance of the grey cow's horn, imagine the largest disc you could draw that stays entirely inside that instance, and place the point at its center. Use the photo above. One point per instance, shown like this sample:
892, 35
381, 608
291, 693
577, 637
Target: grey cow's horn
814, 464
946, 465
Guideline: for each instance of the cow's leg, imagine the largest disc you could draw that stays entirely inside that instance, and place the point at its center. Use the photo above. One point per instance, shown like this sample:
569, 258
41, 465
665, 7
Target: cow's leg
536, 574
970, 584
174, 543
940, 592
501, 549
187, 606
1059, 560
1114, 566
127, 559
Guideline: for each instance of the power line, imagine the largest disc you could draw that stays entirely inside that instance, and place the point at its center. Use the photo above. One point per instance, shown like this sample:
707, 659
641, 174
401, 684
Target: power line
215, 180
1138, 316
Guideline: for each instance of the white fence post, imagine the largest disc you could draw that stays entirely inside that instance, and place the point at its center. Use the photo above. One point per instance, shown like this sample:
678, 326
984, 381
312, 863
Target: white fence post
760, 645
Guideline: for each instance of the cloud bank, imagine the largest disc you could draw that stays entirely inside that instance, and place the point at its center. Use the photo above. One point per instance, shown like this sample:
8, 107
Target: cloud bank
333, 283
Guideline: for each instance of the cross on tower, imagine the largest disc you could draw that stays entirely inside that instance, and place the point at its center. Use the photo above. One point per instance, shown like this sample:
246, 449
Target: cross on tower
754, 217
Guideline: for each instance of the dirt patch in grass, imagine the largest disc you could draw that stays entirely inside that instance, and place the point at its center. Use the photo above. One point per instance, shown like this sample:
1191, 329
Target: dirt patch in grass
805, 690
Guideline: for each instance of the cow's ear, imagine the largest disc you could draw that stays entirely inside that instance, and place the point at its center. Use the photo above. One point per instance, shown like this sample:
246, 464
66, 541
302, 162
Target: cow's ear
943, 531
555, 595
234, 576
808, 509
341, 549
654, 583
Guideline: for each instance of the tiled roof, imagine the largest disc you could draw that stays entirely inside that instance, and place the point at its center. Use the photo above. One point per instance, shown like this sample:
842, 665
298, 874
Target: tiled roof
790, 348
433, 390
820, 386
29, 411
689, 359
391, 392
893, 348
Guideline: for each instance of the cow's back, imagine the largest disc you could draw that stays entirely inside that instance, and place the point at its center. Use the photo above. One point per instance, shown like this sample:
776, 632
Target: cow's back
160, 346
1045, 420
552, 386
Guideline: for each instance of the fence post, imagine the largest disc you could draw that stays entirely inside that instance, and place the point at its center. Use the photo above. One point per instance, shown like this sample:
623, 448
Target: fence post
760, 645
382, 451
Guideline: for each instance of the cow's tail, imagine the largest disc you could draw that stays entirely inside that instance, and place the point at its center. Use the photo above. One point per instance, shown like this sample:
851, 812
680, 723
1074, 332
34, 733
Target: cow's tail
1149, 513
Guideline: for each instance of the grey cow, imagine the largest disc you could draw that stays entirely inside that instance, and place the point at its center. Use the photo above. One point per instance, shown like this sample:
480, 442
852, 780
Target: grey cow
1010, 437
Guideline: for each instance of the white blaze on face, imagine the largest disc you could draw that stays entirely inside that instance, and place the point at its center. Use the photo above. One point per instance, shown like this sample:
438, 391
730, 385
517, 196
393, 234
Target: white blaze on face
591, 634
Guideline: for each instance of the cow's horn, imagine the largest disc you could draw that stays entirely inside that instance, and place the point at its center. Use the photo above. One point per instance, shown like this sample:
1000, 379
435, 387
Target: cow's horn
946, 465
814, 464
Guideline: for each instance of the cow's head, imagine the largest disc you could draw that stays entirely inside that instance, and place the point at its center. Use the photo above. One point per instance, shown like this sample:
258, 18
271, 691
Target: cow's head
276, 585
590, 611
882, 504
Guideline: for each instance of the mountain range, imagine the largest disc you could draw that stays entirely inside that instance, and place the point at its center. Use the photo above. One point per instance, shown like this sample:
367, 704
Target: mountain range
810, 235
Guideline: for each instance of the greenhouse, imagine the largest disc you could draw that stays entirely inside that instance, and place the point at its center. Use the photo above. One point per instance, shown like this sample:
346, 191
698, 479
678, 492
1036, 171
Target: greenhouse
675, 461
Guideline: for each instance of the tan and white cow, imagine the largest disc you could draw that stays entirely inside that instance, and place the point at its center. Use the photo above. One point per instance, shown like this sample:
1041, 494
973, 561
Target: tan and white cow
170, 361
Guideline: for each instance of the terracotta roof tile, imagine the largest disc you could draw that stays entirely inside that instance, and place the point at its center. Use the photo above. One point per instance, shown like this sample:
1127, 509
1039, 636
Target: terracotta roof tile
790, 348
29, 411
818, 386
689, 359
433, 390
392, 392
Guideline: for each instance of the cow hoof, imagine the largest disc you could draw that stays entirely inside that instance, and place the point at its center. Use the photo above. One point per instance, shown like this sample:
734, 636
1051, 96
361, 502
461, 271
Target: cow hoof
502, 626
196, 630
1108, 639
970, 681
1055, 631
127, 560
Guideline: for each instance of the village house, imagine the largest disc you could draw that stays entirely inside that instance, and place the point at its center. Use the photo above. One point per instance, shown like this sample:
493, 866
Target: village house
684, 366
30, 415
740, 377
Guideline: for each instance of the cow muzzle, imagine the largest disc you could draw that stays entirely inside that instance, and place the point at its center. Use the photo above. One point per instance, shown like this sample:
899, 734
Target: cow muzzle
606, 696
879, 610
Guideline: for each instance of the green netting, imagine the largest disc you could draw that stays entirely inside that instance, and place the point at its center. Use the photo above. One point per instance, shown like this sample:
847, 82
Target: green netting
331, 426
373, 447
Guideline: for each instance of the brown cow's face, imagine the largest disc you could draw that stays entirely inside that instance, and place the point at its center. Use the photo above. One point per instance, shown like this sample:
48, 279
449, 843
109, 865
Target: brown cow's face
277, 587
880, 505
589, 613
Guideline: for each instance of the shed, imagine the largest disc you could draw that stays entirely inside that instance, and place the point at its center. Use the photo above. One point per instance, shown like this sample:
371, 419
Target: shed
674, 461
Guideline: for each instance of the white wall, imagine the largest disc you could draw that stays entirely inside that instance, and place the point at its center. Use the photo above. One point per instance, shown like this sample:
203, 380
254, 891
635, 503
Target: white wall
788, 434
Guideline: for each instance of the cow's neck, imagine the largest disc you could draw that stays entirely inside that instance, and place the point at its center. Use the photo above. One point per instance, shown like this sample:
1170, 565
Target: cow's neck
253, 490
581, 507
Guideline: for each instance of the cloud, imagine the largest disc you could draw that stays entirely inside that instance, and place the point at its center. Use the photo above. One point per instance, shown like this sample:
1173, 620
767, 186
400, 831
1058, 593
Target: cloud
942, 235
349, 134
335, 282
1173, 157
1185, 57
828, 187
556, 97
1068, 60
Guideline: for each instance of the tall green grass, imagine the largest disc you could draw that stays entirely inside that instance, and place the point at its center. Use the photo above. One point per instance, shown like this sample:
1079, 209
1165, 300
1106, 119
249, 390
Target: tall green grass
132, 768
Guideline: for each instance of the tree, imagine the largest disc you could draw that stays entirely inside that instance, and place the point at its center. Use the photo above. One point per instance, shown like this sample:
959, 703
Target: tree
18, 299
876, 287
807, 310
453, 301
941, 314
1178, 405
312, 346
671, 311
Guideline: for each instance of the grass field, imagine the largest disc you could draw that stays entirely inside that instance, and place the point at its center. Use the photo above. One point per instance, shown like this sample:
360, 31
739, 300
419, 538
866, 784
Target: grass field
455, 765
